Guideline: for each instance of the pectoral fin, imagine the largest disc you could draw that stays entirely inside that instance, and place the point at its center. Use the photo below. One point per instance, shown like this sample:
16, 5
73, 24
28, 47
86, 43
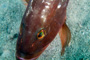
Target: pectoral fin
65, 36
26, 2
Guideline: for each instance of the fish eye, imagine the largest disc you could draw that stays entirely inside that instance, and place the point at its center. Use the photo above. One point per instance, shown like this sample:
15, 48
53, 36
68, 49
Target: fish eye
41, 34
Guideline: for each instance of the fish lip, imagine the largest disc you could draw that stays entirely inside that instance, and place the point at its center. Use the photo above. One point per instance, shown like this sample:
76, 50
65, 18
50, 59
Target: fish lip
20, 58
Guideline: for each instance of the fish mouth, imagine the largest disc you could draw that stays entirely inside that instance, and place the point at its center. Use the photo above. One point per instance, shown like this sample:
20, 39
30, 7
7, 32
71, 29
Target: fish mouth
20, 58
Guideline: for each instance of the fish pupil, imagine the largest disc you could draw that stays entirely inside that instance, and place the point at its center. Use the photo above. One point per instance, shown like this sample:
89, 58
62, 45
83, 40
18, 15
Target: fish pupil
41, 34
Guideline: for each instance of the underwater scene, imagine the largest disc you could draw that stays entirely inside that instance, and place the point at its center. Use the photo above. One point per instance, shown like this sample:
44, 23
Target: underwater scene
44, 29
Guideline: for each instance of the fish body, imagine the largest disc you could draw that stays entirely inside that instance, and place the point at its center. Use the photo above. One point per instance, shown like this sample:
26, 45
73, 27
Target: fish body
40, 24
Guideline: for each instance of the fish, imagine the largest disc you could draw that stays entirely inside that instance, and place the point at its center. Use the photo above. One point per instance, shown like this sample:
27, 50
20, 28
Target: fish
42, 21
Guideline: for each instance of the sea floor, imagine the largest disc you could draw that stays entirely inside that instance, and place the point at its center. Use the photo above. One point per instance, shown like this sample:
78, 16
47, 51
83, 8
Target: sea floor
78, 20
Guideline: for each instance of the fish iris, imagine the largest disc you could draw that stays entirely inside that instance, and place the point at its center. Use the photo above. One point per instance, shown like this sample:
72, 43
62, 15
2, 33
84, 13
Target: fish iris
41, 34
